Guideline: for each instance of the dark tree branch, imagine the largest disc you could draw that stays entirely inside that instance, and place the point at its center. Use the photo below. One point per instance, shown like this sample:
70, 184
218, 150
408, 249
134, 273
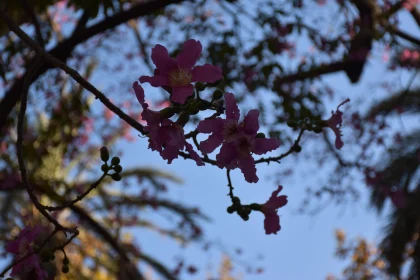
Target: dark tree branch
64, 49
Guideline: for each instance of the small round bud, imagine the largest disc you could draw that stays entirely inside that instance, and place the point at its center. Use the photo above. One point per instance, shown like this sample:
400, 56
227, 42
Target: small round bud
247, 210
104, 153
118, 168
115, 160
230, 209
66, 261
236, 200
200, 86
116, 177
217, 94
245, 217
291, 123
65, 269
317, 129
104, 167
297, 148
260, 135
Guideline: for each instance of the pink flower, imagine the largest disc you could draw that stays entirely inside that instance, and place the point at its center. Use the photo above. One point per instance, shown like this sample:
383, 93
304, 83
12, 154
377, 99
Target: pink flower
269, 209
238, 140
165, 136
179, 73
22, 246
335, 123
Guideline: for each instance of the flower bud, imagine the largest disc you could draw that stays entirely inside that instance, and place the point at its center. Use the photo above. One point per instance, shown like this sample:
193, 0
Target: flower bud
104, 167
65, 269
66, 261
118, 168
231, 209
260, 135
236, 200
116, 177
115, 160
297, 148
217, 94
104, 153
200, 86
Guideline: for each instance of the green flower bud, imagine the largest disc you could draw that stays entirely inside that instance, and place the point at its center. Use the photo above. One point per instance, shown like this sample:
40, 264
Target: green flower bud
217, 94
247, 210
115, 160
260, 135
66, 261
297, 148
200, 86
104, 167
118, 168
231, 209
116, 177
236, 200
245, 217
317, 129
104, 153
65, 269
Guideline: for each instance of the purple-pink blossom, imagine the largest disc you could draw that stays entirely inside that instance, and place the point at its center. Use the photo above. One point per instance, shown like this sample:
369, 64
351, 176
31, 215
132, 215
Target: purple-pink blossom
165, 136
22, 246
269, 209
179, 73
238, 139
336, 122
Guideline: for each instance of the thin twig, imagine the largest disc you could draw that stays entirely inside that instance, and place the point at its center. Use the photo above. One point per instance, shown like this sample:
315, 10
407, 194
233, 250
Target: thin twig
73, 73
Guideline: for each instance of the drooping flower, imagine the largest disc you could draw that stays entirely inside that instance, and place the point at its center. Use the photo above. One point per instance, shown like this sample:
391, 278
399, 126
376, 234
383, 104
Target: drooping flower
269, 209
22, 246
335, 123
179, 73
165, 136
238, 139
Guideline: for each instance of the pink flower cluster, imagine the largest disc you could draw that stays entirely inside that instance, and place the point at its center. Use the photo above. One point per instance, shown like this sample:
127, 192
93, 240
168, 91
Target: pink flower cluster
238, 139
22, 246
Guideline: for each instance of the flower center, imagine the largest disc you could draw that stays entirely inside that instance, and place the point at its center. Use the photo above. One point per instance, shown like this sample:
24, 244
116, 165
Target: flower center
231, 131
180, 77
244, 146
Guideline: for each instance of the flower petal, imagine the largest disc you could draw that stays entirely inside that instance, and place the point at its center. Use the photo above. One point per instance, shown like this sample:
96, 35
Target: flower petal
207, 73
139, 91
180, 94
251, 125
232, 110
264, 145
271, 222
155, 81
193, 154
211, 125
247, 166
275, 201
227, 156
189, 55
209, 145
162, 60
